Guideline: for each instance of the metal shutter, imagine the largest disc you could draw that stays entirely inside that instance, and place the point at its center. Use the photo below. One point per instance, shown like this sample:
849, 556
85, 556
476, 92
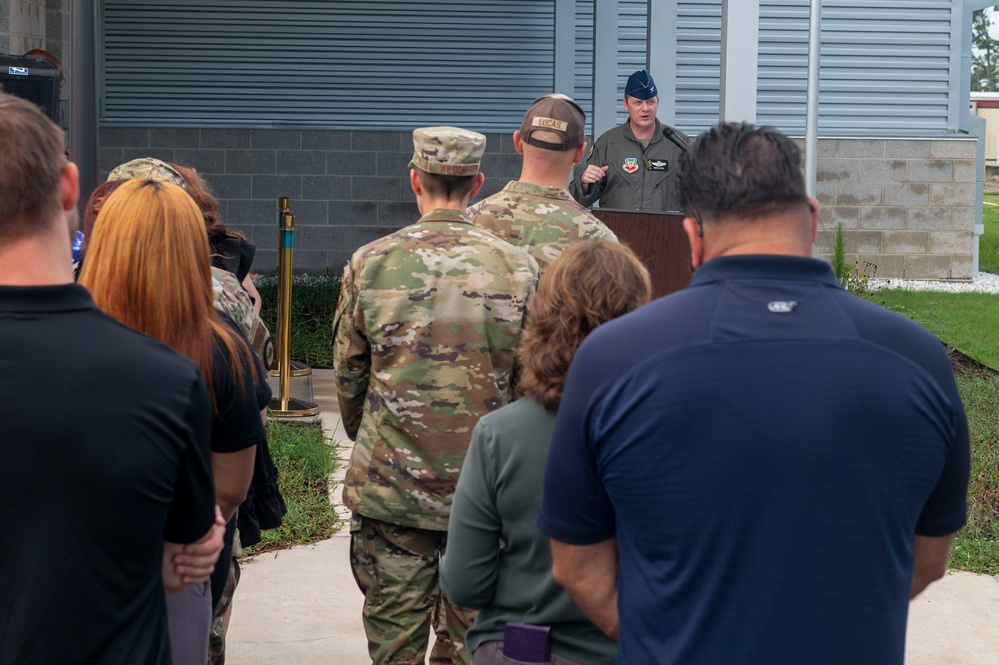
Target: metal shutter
584, 59
698, 64
379, 65
631, 50
885, 66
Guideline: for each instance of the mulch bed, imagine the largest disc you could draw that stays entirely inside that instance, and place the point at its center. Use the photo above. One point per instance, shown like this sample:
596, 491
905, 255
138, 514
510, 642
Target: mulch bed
965, 366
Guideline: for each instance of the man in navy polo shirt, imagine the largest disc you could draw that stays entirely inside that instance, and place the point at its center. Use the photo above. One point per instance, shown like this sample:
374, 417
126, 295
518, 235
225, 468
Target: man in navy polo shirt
761, 468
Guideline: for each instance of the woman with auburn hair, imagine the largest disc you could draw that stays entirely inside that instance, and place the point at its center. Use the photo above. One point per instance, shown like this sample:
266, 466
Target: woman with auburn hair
148, 267
497, 560
95, 203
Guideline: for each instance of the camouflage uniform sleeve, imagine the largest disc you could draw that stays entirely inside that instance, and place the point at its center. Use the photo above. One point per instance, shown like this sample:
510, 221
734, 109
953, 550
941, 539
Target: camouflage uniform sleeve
524, 323
351, 356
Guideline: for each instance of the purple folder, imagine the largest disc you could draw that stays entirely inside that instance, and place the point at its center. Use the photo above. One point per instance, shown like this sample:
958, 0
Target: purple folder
526, 643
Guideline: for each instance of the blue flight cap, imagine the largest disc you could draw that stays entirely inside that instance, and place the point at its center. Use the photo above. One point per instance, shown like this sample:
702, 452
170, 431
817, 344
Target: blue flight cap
641, 86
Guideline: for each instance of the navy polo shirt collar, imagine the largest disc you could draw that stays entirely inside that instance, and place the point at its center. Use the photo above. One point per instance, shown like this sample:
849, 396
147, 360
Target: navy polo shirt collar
41, 299
764, 266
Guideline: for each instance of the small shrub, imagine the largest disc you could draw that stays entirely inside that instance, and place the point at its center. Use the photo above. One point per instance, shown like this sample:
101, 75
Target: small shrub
313, 305
850, 277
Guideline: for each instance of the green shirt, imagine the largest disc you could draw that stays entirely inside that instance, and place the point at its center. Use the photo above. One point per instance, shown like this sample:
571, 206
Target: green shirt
638, 178
497, 561
425, 332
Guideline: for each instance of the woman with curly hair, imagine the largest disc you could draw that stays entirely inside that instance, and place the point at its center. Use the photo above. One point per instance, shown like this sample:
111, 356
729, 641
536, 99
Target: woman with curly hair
497, 560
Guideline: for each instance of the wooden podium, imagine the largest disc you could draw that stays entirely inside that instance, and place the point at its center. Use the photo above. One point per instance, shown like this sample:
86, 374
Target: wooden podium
660, 242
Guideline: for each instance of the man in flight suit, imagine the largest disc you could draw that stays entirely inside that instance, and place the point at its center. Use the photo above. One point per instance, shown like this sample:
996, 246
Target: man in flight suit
631, 166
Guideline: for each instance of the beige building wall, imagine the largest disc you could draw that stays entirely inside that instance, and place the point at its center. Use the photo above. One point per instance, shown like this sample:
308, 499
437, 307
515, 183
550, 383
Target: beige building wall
983, 106
907, 206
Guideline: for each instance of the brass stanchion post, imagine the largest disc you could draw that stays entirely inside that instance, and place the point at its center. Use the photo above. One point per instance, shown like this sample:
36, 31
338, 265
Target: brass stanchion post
297, 369
284, 404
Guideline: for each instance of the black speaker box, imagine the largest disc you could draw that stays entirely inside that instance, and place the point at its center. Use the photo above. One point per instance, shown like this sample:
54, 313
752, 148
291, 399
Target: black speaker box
32, 78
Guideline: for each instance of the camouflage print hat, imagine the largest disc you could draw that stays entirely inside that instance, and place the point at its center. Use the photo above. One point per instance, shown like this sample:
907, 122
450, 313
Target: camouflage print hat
147, 167
447, 150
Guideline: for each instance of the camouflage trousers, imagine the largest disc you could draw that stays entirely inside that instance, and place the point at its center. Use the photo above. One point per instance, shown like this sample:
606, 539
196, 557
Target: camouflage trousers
396, 569
216, 638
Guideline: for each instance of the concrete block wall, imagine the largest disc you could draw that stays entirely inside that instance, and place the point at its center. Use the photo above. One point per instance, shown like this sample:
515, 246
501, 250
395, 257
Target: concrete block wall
26, 19
907, 206
347, 187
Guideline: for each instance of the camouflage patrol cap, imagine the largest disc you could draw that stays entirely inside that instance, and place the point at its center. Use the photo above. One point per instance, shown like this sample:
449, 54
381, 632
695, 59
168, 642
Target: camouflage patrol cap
149, 168
447, 150
558, 114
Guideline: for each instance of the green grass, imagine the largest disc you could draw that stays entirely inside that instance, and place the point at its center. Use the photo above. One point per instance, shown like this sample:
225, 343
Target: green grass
988, 244
305, 460
965, 321
976, 547
313, 304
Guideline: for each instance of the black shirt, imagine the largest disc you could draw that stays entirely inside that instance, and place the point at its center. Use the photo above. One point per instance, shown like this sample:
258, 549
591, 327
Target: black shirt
104, 454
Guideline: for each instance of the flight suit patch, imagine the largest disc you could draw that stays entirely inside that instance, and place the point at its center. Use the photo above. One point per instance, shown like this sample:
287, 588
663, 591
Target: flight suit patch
630, 164
657, 164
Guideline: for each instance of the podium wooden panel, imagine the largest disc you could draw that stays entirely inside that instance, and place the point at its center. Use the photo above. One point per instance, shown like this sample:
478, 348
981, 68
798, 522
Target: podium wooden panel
660, 242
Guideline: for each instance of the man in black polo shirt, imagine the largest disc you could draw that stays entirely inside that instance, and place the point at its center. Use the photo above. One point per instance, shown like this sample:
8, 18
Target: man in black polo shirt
761, 468
104, 466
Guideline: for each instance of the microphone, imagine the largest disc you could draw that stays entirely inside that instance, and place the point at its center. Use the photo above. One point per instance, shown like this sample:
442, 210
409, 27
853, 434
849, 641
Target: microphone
675, 139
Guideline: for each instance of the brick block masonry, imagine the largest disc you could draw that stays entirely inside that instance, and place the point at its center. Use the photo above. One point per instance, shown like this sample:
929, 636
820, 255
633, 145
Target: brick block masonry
347, 187
907, 205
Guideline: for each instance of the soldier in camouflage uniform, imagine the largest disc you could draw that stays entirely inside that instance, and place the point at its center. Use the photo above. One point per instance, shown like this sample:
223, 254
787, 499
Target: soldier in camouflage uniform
536, 212
426, 327
232, 298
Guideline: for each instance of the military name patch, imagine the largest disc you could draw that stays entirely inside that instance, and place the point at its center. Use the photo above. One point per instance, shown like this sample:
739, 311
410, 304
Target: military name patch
657, 164
550, 123
630, 164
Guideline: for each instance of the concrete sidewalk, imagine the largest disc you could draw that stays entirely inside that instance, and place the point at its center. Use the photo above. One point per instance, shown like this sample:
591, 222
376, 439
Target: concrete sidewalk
302, 606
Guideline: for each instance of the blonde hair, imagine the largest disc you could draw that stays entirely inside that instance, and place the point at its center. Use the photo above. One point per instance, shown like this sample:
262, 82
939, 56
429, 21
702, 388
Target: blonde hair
591, 283
148, 267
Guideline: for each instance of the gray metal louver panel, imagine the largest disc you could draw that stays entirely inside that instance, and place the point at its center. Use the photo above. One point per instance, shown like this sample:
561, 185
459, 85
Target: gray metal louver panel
631, 54
632, 38
698, 63
885, 65
583, 74
379, 65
